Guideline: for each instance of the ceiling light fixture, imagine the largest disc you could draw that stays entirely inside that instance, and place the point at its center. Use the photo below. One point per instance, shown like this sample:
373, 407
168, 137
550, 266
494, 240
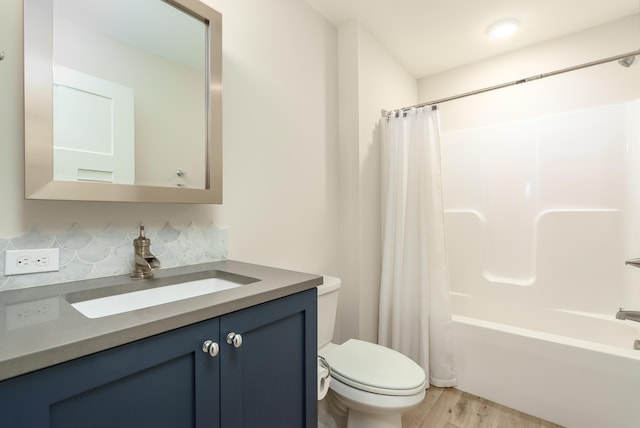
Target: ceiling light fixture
503, 28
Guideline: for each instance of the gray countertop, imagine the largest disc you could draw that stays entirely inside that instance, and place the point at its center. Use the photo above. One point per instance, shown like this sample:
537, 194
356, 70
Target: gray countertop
40, 328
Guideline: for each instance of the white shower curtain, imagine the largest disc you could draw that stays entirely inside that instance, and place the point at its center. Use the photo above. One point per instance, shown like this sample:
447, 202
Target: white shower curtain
415, 309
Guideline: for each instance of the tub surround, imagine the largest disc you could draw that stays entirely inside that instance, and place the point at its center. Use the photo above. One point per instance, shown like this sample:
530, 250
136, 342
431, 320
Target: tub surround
539, 215
62, 333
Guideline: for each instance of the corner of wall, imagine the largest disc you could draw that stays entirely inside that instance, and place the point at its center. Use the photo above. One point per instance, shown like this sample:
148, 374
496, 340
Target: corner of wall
370, 79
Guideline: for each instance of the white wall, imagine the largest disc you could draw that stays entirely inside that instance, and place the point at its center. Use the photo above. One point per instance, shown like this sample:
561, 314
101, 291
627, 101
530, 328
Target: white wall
280, 135
280, 142
370, 80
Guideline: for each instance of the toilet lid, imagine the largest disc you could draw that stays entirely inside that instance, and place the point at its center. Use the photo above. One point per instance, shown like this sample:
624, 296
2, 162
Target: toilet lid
374, 368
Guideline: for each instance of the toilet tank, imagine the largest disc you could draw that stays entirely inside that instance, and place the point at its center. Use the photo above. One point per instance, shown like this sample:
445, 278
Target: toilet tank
327, 308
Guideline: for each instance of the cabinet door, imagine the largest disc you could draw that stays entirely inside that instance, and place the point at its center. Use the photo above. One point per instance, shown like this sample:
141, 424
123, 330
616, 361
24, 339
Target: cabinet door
270, 380
161, 381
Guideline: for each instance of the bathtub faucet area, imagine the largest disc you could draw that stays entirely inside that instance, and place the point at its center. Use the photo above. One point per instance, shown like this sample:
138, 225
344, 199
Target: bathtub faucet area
628, 315
633, 262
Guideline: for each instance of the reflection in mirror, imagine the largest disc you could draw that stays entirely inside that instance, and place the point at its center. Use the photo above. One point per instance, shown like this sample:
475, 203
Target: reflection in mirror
103, 67
129, 108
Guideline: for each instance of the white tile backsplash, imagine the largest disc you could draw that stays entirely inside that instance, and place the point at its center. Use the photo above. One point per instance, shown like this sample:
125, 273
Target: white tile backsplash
85, 255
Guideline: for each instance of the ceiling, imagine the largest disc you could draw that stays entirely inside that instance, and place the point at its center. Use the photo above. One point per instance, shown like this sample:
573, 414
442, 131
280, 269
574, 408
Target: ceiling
430, 36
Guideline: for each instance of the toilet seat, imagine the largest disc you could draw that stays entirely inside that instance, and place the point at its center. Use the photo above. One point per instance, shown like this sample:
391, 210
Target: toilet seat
374, 368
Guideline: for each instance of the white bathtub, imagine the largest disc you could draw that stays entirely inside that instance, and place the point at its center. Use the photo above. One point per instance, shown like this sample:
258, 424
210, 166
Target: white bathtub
574, 369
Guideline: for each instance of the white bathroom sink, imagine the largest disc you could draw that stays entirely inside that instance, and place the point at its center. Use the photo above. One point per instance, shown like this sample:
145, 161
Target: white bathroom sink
125, 302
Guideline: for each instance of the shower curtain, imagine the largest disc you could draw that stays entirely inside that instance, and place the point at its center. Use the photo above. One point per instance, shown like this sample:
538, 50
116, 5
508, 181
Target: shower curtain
415, 309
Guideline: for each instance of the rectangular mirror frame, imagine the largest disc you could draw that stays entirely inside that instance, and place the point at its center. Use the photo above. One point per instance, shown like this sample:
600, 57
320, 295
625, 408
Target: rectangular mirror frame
38, 118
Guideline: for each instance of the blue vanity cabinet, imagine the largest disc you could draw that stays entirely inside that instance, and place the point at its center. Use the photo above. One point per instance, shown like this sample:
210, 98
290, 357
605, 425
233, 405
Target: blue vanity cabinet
167, 380
270, 380
160, 381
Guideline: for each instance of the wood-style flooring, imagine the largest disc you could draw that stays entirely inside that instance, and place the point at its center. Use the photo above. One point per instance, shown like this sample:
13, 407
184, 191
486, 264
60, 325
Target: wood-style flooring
451, 408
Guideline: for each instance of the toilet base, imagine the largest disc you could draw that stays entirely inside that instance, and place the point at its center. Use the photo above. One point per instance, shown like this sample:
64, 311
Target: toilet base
334, 414
358, 419
331, 414
366, 410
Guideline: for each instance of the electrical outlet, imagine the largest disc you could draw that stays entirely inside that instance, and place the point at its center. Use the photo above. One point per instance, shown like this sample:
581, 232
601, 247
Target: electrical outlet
17, 262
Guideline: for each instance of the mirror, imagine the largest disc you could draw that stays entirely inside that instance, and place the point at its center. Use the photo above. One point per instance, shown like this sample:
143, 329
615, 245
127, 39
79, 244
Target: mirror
123, 101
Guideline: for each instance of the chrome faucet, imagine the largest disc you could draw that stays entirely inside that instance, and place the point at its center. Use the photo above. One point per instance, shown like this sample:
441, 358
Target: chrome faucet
145, 262
628, 315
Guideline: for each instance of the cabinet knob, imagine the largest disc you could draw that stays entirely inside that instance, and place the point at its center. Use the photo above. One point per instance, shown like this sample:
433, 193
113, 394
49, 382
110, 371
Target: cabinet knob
210, 347
234, 339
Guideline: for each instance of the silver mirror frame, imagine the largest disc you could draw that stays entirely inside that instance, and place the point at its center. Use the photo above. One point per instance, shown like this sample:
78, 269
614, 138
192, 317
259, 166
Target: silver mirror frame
38, 118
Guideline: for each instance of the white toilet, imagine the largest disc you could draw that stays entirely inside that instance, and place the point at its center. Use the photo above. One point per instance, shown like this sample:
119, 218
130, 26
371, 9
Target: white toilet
372, 384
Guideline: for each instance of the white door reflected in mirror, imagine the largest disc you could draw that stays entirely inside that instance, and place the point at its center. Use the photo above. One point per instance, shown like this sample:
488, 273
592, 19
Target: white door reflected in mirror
93, 129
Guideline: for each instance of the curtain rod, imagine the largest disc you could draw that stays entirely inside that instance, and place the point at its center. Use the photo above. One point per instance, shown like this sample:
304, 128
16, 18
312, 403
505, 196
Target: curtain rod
386, 113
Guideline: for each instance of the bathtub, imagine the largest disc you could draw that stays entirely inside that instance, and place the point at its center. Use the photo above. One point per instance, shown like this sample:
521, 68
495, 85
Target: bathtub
574, 368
